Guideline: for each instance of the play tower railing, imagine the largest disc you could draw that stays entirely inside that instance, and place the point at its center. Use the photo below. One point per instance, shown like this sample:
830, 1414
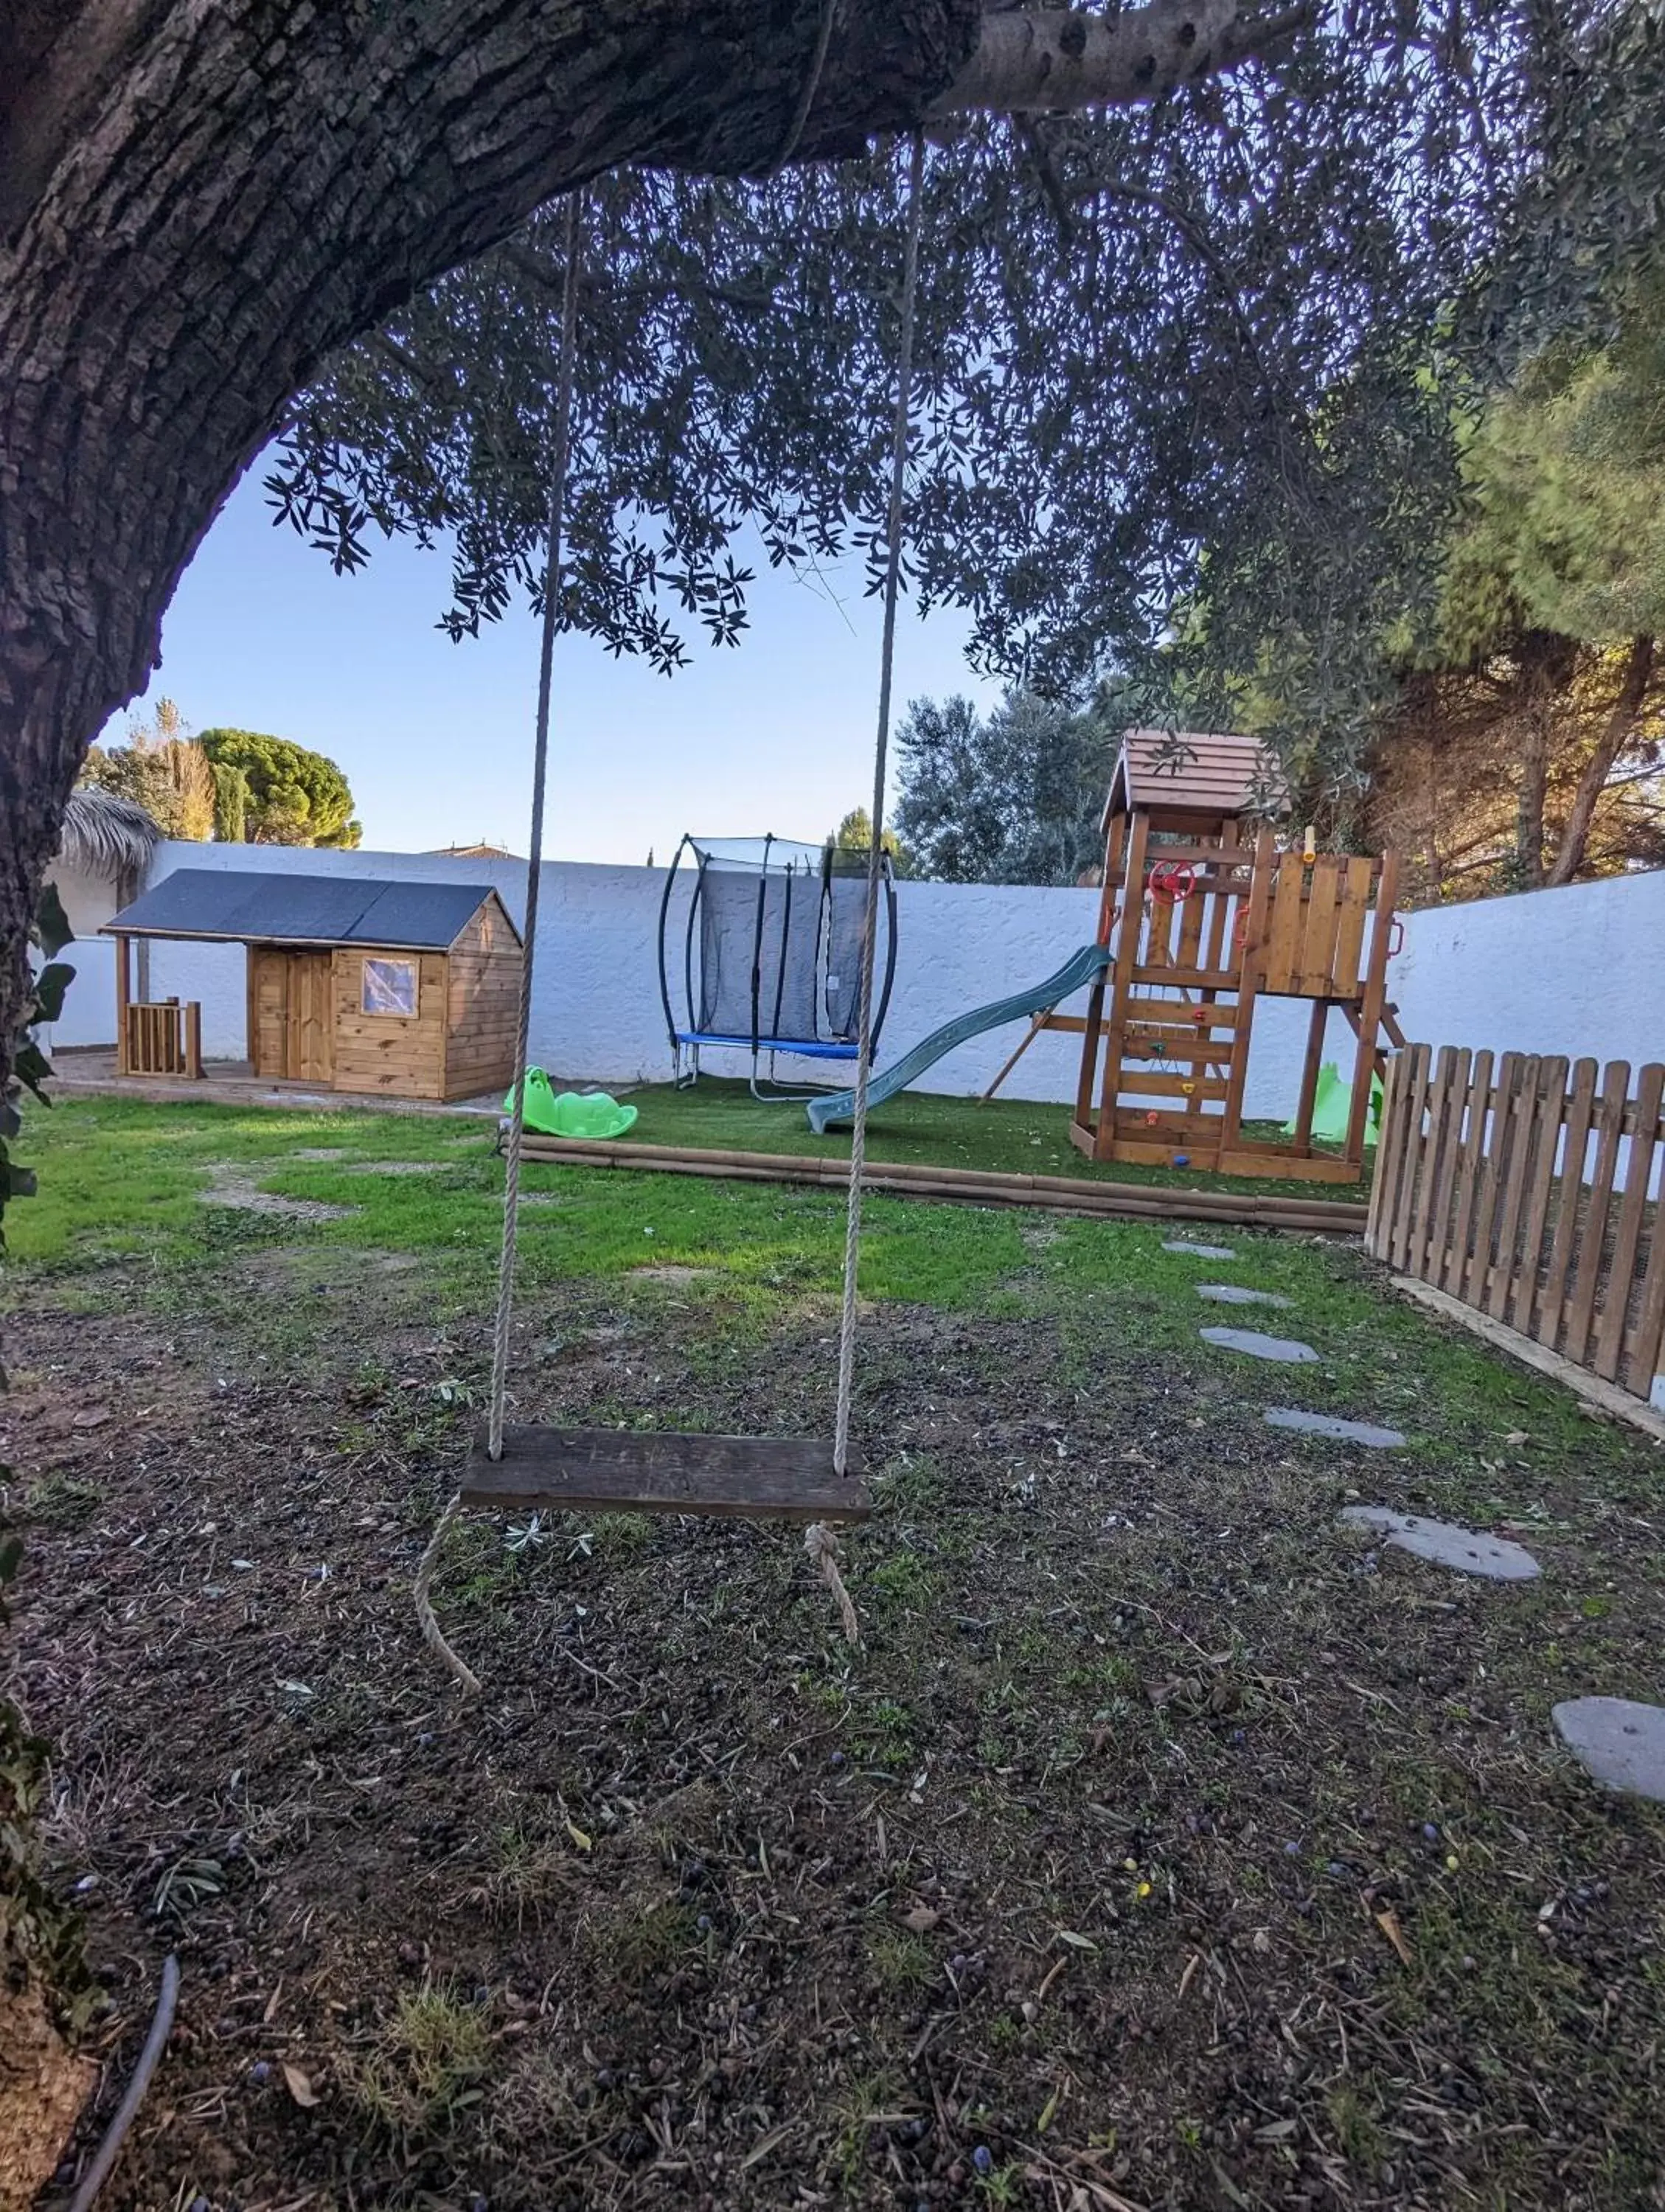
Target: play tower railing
159, 1037
1201, 924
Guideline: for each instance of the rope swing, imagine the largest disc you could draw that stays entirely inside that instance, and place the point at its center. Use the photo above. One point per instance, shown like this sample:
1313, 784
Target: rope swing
820, 1540
620, 1471
540, 764
433, 1635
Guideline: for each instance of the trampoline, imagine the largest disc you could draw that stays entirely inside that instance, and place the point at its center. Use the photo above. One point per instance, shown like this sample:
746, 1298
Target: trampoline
771, 954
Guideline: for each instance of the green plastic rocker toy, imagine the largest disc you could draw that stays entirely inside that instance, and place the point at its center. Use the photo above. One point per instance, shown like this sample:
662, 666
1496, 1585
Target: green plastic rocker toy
570, 1112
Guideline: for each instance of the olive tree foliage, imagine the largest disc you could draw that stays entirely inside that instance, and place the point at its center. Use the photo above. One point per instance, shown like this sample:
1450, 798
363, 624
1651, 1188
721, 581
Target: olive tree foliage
1222, 328
1011, 797
1589, 219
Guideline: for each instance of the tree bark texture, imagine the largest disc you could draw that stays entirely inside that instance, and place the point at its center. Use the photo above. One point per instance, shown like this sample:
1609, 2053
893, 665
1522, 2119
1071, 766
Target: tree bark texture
1592, 782
1546, 668
200, 200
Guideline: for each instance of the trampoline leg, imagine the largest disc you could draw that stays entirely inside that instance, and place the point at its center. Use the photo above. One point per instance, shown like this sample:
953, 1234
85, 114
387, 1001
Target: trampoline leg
770, 1090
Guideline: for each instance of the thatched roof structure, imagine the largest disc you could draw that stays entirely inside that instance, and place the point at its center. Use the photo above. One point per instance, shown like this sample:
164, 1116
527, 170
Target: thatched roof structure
106, 834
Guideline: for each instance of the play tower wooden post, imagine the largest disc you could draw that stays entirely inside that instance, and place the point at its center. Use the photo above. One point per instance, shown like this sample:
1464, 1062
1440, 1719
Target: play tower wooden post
1204, 916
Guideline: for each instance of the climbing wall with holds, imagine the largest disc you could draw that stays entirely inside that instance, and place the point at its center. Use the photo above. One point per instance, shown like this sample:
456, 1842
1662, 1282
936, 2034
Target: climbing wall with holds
1204, 912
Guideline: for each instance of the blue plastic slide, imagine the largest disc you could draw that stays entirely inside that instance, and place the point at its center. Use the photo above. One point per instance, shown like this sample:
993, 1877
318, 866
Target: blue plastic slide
1081, 968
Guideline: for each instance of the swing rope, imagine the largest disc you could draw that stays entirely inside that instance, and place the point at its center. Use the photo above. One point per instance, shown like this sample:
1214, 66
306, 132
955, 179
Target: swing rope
563, 415
864, 1065
433, 1635
811, 85
818, 1540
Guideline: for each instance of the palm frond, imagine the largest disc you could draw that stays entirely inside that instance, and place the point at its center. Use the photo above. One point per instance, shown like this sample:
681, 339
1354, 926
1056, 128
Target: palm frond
107, 834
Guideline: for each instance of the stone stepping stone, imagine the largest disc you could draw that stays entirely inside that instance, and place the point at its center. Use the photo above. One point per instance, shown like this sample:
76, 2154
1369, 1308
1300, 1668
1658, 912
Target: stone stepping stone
1238, 1294
1447, 1545
1258, 1347
1618, 1743
1201, 1251
1332, 1424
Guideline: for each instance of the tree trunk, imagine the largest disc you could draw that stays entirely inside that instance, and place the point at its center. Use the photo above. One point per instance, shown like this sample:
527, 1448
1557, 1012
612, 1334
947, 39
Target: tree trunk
200, 200
1621, 726
1544, 666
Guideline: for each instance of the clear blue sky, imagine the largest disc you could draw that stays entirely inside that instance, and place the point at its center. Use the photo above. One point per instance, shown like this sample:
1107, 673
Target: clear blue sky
436, 739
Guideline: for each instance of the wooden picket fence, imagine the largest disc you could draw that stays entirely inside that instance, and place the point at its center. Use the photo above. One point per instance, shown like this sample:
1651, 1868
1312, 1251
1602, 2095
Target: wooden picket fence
1529, 1192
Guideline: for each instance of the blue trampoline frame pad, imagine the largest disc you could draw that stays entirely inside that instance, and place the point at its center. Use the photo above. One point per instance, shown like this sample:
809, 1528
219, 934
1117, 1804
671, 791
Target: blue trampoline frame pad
803, 1047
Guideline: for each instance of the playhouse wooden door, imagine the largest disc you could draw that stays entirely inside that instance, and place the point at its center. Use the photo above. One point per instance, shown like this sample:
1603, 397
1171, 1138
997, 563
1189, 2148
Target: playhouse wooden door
290, 1015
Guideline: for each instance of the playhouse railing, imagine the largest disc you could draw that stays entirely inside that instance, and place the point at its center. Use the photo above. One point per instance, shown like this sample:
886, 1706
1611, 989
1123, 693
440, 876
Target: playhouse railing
159, 1037
1530, 1191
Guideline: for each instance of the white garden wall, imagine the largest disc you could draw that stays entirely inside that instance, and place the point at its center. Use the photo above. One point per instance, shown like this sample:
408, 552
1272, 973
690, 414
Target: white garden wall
88, 897
1576, 971
1579, 971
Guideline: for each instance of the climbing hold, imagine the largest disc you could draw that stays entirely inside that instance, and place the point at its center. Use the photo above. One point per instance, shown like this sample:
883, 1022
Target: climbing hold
1182, 1160
1187, 1089
1151, 1119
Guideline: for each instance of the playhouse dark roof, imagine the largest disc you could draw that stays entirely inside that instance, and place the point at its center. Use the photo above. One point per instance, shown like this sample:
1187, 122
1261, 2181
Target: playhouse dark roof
1206, 772
251, 907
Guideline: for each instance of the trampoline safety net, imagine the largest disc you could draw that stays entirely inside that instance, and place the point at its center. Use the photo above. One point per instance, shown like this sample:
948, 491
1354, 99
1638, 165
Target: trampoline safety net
777, 920
771, 949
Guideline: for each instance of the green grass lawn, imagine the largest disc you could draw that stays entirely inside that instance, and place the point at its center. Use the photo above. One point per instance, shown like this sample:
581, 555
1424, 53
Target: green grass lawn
1008, 1136
126, 1185
1085, 1861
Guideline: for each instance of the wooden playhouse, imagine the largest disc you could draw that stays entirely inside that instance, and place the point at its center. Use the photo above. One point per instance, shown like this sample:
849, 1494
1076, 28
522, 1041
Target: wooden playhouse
1205, 911
355, 983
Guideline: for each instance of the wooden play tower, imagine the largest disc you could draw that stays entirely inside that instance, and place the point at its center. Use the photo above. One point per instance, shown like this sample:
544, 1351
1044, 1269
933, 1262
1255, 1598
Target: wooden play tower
1205, 913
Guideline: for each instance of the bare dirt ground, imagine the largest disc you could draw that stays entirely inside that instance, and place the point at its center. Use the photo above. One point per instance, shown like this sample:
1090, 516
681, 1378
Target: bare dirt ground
1162, 1846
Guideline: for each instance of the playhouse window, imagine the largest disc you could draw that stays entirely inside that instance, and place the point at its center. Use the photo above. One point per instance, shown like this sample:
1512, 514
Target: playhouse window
390, 987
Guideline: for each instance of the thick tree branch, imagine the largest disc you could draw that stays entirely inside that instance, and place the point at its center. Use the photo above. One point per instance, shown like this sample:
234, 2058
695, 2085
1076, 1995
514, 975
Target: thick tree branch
203, 200
1040, 59
1621, 726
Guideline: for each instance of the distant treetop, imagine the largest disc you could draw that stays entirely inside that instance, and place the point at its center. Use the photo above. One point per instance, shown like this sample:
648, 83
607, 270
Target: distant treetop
295, 796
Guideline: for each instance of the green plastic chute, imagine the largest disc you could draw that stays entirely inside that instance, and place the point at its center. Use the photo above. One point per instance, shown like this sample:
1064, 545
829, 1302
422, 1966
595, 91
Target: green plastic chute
1333, 1105
570, 1112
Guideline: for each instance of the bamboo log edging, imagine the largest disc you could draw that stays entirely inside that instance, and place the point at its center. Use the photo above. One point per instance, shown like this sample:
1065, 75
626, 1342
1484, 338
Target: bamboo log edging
966, 1186
1528, 1195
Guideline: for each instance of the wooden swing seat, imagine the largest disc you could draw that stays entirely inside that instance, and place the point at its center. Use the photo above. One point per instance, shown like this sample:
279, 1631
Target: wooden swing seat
649, 1471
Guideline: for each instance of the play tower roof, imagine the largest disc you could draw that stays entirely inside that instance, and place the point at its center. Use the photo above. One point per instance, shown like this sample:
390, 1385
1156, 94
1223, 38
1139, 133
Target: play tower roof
1204, 774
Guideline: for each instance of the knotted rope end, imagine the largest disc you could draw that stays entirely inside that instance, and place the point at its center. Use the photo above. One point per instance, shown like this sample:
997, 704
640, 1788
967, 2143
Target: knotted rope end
822, 1546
